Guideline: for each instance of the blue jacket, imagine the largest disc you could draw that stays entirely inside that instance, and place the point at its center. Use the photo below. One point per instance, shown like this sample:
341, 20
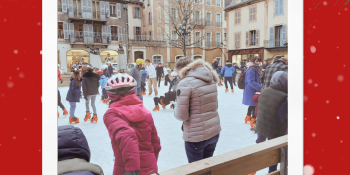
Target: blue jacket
229, 70
252, 85
103, 81
218, 70
73, 94
107, 75
215, 65
144, 75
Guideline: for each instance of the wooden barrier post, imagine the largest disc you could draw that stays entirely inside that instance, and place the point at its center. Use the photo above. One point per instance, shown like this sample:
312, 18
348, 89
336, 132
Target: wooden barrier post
284, 160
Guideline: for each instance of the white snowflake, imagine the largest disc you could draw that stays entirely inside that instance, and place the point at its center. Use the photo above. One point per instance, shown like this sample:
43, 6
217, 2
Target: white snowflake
309, 170
340, 78
313, 49
313, 134
10, 84
309, 81
15, 52
338, 117
327, 101
325, 3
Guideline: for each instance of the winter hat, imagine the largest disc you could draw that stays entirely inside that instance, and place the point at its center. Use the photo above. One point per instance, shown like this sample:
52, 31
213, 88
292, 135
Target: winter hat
280, 79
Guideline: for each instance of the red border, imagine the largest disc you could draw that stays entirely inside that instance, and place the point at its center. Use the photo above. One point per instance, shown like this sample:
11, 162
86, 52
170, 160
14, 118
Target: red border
325, 137
21, 87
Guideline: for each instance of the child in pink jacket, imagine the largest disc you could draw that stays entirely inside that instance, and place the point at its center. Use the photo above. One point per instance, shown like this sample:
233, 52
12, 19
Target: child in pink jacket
130, 125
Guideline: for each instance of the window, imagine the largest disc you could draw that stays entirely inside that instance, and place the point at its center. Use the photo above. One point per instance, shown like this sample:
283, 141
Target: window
119, 11
97, 34
187, 14
114, 33
278, 34
157, 59
137, 13
112, 10
59, 5
218, 20
174, 15
218, 40
198, 42
218, 59
78, 33
278, 7
148, 2
158, 15
143, 4
120, 33
208, 39
60, 30
187, 40
225, 37
197, 57
197, 18
218, 3
225, 15
96, 10
208, 21
150, 36
252, 13
252, 37
77, 8
174, 38
237, 17
198, 1
208, 2
237, 40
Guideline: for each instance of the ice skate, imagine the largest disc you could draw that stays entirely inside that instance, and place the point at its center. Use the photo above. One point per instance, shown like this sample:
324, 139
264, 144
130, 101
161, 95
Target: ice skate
252, 173
156, 108
158, 86
102, 99
226, 90
58, 114
156, 95
73, 119
94, 118
65, 112
163, 105
150, 94
232, 90
222, 80
235, 85
252, 122
87, 116
247, 119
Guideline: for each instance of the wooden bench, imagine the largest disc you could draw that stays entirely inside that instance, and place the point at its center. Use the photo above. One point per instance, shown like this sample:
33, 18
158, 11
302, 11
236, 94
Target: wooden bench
240, 162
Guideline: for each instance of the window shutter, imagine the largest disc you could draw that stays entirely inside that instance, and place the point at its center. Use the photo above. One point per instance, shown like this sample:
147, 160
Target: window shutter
271, 36
236, 40
239, 40
71, 32
257, 38
250, 14
281, 7
64, 6
66, 30
103, 14
134, 33
119, 12
107, 9
150, 21
89, 9
120, 32
133, 12
284, 35
84, 4
86, 33
143, 20
239, 17
70, 8
109, 35
247, 39
176, 16
255, 10
276, 8
104, 36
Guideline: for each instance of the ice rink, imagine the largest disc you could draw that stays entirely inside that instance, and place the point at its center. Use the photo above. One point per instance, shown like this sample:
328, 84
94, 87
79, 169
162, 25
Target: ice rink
235, 133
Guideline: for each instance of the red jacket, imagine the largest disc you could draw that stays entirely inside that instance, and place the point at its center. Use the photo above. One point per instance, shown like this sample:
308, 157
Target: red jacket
134, 137
59, 75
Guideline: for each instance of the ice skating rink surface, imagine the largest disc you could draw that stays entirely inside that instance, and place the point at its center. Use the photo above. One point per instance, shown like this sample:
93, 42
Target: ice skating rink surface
235, 134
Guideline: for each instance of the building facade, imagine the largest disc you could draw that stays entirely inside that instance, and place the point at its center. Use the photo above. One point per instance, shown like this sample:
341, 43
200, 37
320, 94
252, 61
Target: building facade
257, 28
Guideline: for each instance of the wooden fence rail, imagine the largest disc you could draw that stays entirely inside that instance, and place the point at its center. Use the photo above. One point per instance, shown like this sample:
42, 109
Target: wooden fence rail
240, 162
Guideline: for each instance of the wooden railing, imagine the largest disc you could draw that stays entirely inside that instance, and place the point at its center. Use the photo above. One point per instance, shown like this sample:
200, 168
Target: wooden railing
240, 162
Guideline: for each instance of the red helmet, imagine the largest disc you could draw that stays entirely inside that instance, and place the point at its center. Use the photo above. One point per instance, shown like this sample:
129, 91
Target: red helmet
100, 72
79, 70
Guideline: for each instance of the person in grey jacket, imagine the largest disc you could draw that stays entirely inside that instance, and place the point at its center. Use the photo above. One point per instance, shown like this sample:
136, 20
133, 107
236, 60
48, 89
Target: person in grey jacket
136, 74
197, 107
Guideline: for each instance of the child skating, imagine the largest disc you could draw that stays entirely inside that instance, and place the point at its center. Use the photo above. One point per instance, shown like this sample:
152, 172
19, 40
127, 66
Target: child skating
168, 97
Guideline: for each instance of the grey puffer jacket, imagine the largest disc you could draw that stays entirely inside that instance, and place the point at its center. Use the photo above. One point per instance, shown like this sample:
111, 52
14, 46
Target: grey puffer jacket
197, 102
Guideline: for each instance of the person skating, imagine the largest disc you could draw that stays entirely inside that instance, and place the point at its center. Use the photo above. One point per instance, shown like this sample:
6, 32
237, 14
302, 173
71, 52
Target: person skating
136, 74
218, 71
105, 71
160, 74
103, 82
90, 86
65, 112
215, 64
152, 81
59, 73
168, 97
228, 71
235, 73
252, 85
197, 108
166, 75
73, 95
143, 80
130, 125
277, 65
110, 68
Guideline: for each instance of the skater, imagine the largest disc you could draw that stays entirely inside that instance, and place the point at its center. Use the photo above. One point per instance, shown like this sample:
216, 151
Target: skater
235, 73
65, 112
218, 70
215, 64
74, 153
160, 74
166, 75
143, 80
136, 74
197, 108
252, 85
122, 71
103, 82
273, 110
152, 81
104, 68
73, 95
59, 74
228, 71
277, 65
90, 88
130, 125
110, 69
168, 97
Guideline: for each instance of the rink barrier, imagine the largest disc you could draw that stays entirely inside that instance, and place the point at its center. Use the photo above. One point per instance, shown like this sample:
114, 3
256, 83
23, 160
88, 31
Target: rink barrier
240, 162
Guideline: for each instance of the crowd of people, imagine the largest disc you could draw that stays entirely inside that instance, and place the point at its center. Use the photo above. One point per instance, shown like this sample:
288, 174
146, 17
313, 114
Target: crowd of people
193, 95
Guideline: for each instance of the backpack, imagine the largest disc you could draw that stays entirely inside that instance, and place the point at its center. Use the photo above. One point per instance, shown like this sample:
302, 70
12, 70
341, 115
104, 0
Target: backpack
241, 78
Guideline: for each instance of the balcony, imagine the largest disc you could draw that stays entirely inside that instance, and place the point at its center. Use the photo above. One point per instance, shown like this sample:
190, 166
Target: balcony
60, 33
276, 43
147, 40
218, 24
208, 23
199, 23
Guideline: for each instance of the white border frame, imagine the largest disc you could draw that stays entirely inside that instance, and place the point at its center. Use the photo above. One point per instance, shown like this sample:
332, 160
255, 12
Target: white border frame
161, 58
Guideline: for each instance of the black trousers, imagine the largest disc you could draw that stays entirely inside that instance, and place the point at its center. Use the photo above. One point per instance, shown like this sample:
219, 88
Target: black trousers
159, 78
251, 111
166, 80
59, 101
157, 100
143, 85
234, 78
229, 79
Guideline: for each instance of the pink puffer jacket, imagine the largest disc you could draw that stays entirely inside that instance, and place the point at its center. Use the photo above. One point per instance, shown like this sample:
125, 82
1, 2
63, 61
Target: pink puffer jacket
134, 138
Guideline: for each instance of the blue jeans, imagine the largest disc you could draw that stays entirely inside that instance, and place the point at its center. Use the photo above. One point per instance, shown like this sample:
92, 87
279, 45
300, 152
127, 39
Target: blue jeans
139, 93
73, 105
260, 139
201, 150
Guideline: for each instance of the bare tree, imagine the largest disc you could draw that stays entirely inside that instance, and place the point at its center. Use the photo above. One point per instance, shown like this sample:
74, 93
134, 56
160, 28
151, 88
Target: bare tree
180, 18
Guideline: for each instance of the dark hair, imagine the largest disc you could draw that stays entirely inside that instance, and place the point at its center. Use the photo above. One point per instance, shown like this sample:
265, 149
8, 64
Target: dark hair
227, 61
75, 77
148, 60
182, 62
122, 71
256, 58
90, 69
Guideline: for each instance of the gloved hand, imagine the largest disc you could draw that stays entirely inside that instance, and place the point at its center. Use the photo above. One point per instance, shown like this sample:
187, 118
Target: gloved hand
132, 173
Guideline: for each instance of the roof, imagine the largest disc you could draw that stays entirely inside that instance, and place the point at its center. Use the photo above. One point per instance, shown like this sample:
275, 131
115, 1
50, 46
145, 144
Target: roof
233, 4
227, 2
